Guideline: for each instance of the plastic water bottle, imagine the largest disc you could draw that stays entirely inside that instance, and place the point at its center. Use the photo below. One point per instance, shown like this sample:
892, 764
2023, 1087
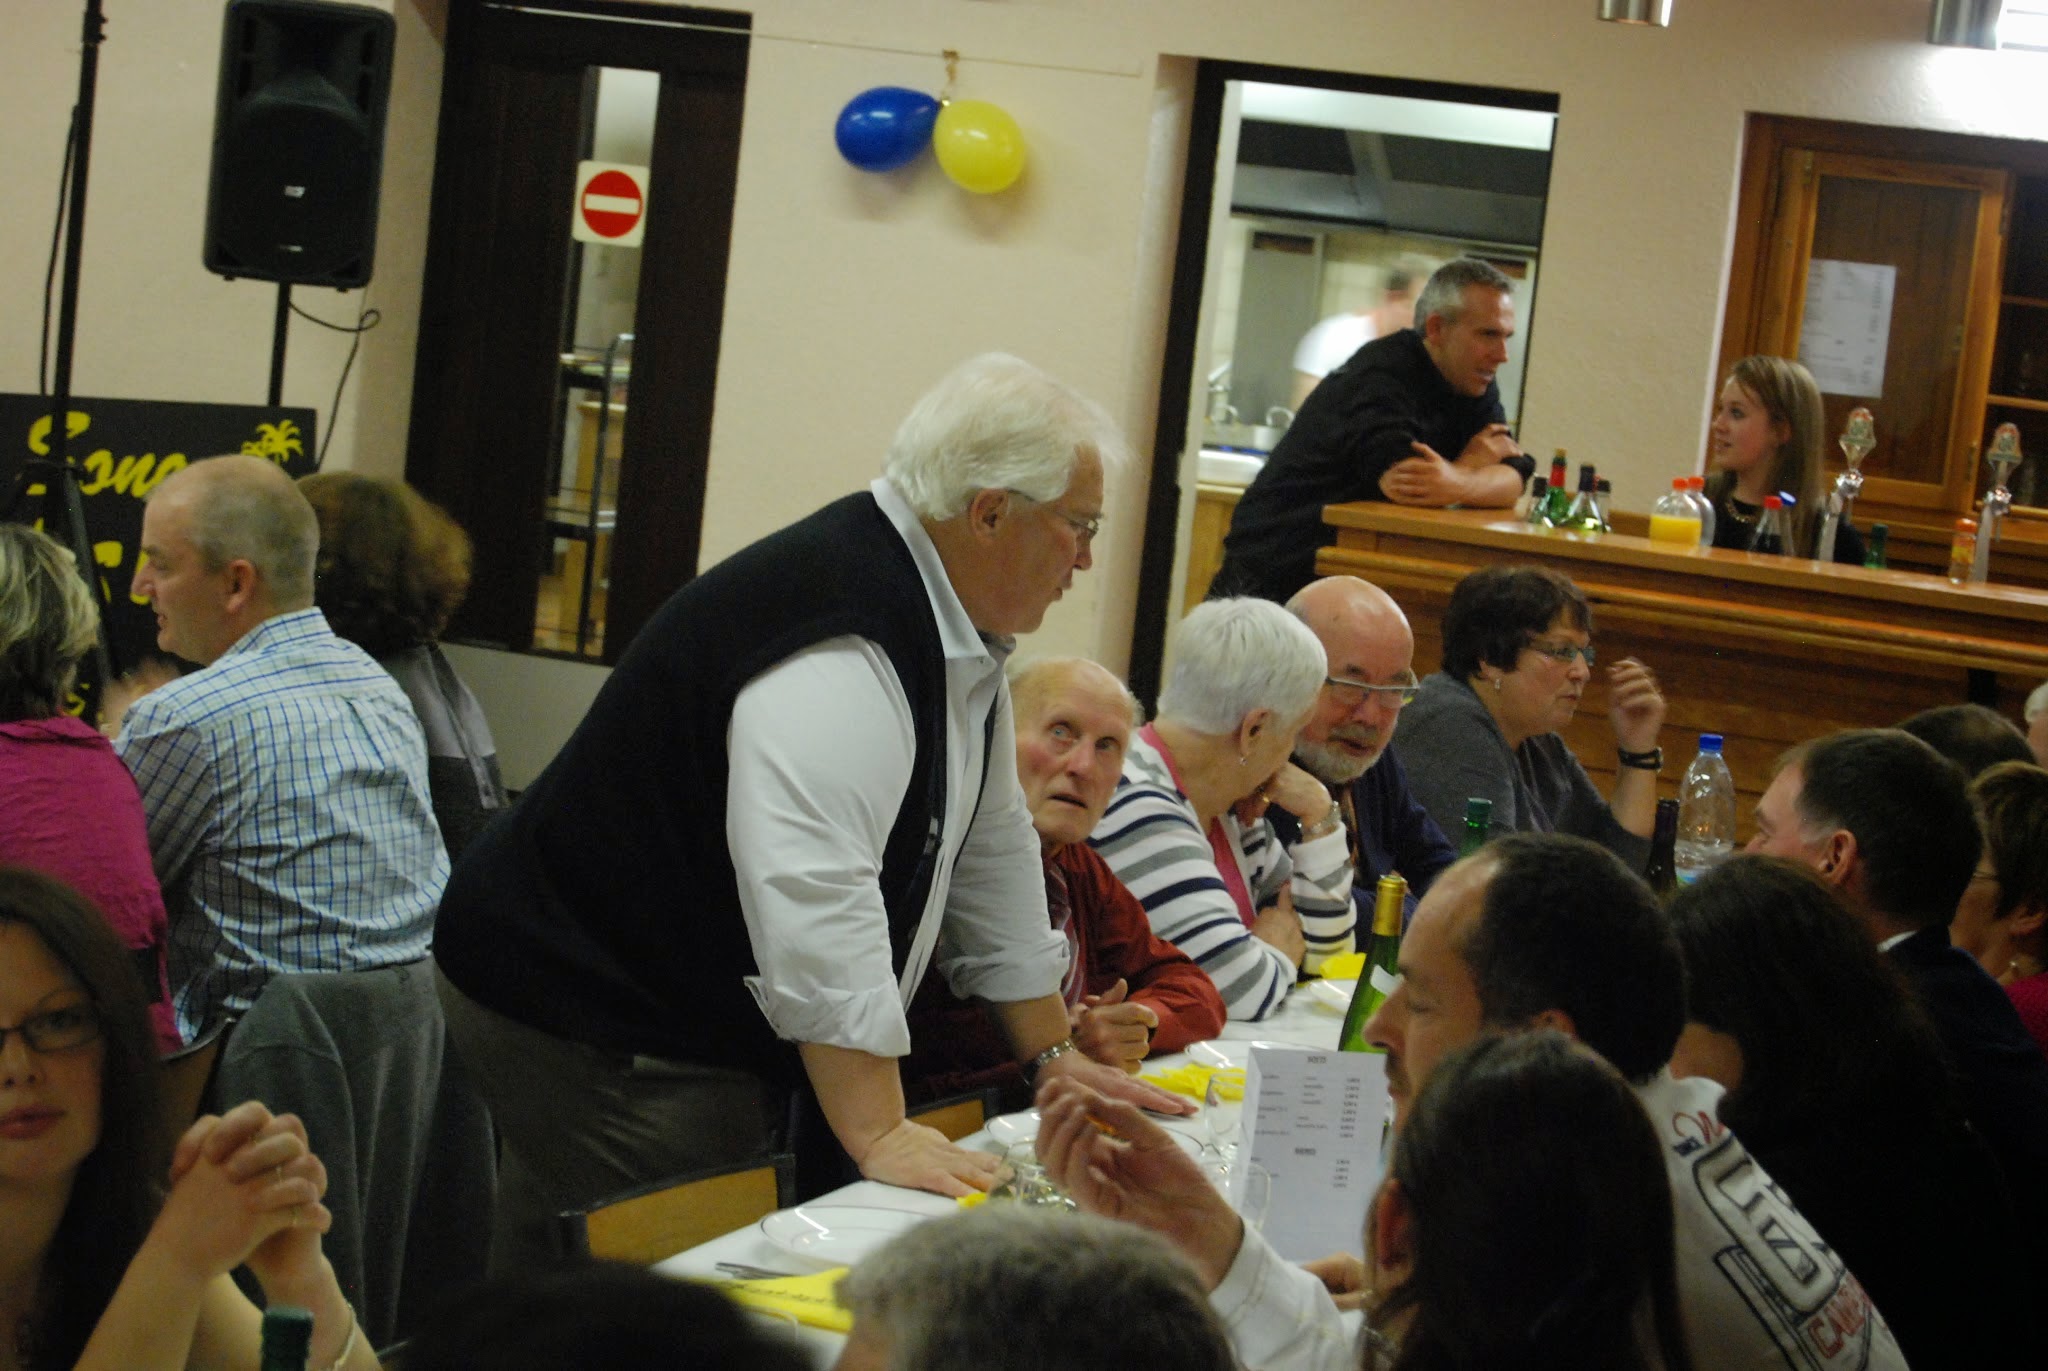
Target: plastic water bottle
1696, 487
1706, 812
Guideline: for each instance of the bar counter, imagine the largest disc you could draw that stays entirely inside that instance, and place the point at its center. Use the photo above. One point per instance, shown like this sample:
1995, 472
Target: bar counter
1767, 651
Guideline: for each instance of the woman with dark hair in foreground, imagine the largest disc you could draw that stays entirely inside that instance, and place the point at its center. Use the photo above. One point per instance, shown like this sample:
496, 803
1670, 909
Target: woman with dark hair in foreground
1839, 1087
100, 1268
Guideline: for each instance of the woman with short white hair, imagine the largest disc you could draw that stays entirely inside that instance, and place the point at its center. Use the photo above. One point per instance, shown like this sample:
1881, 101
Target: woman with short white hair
1186, 831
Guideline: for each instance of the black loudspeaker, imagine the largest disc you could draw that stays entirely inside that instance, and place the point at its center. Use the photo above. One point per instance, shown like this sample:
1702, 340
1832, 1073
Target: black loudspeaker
298, 142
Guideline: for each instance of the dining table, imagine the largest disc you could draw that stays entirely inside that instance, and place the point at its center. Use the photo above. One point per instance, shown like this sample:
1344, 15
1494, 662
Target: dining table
1309, 1018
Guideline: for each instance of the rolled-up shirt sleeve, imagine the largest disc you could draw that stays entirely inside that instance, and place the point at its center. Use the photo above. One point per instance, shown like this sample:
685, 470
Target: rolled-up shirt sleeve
996, 942
821, 748
1279, 1316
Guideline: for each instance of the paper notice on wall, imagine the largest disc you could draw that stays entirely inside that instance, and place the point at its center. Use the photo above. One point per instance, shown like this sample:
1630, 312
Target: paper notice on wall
1847, 325
1314, 1121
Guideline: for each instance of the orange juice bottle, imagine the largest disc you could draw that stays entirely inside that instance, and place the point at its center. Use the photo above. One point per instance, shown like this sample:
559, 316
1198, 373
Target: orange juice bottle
1675, 519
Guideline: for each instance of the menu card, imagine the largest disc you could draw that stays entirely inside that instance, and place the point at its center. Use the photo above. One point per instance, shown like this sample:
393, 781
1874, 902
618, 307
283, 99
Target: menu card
1313, 1122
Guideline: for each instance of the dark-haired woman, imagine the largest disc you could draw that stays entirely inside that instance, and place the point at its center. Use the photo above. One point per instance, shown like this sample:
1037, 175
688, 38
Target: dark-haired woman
393, 569
1517, 655
100, 1268
1838, 1086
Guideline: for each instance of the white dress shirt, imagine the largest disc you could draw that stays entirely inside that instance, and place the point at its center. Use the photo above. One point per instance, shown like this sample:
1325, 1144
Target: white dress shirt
822, 746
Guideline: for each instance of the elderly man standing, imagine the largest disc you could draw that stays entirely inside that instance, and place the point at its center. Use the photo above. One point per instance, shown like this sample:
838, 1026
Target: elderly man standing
1129, 993
1413, 417
285, 784
1344, 744
790, 798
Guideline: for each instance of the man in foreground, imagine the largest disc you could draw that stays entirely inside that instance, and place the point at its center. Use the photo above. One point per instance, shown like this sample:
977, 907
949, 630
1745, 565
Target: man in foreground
285, 783
1414, 418
1535, 931
1129, 993
789, 799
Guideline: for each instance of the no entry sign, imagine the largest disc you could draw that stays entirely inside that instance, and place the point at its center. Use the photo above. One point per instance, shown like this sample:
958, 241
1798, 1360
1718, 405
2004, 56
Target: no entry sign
611, 204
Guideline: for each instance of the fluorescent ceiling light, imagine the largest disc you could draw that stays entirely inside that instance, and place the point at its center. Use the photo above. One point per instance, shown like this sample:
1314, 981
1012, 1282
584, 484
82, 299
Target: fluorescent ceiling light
1399, 114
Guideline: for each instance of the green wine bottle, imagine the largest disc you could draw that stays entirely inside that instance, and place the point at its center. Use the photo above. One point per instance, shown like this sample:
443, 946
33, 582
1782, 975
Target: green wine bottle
287, 1336
1662, 872
1376, 978
1478, 825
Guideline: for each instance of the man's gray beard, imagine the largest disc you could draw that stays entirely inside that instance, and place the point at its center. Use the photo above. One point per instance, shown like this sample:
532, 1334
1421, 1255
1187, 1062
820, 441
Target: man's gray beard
1332, 765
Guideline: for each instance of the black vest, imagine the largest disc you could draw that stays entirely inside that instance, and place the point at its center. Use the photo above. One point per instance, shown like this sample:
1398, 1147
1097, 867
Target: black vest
603, 907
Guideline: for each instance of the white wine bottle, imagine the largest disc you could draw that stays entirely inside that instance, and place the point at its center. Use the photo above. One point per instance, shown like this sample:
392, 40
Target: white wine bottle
1376, 978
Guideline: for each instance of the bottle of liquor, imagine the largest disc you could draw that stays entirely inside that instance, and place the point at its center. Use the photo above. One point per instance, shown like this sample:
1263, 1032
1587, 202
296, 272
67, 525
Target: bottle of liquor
1873, 550
1662, 872
1478, 825
1584, 514
287, 1335
1376, 979
1603, 500
1537, 516
1770, 528
1559, 499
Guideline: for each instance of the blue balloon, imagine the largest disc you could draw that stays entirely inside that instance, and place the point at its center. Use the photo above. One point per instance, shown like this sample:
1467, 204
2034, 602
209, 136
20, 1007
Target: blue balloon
883, 128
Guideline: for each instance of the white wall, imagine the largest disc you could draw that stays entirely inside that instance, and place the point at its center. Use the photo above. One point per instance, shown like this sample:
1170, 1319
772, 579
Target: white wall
848, 293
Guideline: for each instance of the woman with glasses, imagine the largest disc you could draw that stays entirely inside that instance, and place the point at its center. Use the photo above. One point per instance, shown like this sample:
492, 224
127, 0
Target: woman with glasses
1186, 830
1517, 656
68, 807
103, 1267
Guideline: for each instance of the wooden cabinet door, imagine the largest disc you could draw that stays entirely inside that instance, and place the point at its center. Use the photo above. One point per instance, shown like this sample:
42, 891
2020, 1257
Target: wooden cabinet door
1939, 228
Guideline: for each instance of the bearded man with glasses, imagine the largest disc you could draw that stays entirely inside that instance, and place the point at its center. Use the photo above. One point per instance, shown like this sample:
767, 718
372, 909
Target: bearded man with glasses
1517, 658
1344, 744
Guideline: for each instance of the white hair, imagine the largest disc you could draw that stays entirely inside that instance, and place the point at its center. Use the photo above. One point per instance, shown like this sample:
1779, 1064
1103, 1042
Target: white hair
2037, 702
1233, 656
996, 422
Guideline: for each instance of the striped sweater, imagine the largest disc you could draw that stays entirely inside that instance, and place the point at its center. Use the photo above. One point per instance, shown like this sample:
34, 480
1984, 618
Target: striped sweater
1150, 837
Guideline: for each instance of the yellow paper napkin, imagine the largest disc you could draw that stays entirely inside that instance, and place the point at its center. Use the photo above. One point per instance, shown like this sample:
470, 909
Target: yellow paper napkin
1347, 966
1192, 1080
807, 1299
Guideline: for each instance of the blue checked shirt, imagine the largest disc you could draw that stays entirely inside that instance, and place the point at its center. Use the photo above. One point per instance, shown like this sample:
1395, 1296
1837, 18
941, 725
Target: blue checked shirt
289, 818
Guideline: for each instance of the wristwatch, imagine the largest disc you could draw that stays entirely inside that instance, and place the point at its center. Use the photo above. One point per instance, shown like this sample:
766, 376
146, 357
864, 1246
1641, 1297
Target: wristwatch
1323, 827
1039, 1062
1653, 760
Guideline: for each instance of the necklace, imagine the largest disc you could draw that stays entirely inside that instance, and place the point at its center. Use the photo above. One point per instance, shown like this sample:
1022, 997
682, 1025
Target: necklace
1728, 503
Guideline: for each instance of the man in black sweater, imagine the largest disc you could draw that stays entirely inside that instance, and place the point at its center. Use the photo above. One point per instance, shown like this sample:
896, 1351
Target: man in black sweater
1414, 418
1887, 821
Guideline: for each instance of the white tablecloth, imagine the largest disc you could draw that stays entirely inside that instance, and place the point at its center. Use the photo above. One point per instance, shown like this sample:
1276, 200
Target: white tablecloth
1304, 1019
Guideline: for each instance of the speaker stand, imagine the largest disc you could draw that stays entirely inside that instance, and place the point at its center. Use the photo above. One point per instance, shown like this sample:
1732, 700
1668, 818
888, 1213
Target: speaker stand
61, 487
278, 329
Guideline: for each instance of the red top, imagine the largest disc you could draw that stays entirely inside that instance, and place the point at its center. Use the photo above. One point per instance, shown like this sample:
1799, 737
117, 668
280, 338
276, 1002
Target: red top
2030, 996
69, 809
956, 1047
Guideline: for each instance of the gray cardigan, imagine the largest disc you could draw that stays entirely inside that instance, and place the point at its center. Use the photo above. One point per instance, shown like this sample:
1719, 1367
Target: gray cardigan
1453, 751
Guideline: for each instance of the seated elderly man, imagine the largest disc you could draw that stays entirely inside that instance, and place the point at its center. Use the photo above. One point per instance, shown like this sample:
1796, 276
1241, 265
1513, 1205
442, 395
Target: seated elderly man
1344, 744
1888, 822
1008, 1288
1535, 931
285, 783
1128, 991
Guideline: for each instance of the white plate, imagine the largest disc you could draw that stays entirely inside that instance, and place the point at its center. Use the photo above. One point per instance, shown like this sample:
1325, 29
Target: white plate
1237, 1052
1333, 994
1011, 1129
836, 1234
1008, 1130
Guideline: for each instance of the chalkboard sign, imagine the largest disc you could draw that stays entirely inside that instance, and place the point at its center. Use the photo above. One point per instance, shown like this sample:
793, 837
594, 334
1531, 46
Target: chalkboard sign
124, 449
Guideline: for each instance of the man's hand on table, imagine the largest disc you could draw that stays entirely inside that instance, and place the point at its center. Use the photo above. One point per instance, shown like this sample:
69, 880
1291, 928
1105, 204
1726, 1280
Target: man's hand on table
1425, 479
1113, 1030
920, 1158
1084, 1070
1140, 1174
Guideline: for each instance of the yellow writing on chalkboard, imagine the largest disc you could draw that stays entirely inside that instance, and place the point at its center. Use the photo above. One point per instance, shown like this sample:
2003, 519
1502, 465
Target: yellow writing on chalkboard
279, 442
134, 475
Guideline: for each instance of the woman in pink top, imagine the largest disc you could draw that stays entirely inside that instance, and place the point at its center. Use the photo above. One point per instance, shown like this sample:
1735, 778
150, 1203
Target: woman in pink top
68, 807
2000, 920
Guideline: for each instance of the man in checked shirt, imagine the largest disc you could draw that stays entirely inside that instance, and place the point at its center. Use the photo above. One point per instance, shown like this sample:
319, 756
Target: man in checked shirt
285, 782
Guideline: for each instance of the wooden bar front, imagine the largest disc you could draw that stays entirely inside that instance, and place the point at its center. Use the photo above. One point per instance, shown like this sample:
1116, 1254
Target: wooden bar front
1767, 651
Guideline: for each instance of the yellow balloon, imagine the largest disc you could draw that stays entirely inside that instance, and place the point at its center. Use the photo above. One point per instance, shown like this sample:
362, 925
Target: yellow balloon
979, 145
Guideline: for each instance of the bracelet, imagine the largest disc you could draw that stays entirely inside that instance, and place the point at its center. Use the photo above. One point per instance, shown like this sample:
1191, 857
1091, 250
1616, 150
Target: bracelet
1653, 760
1323, 827
349, 1343
1043, 1059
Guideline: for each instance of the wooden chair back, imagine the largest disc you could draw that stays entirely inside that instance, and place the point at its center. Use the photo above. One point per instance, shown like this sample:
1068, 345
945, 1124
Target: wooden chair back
958, 1115
657, 1221
186, 1075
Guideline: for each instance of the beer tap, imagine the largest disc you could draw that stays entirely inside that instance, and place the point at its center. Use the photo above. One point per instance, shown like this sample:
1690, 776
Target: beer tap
2003, 457
1857, 440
